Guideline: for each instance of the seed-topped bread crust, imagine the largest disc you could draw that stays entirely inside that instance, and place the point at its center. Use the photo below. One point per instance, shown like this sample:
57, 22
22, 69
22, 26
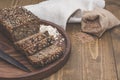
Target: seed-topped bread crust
23, 29
34, 43
29, 41
46, 56
17, 23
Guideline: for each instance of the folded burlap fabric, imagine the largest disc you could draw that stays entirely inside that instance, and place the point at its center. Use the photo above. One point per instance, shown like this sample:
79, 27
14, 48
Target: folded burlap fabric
99, 20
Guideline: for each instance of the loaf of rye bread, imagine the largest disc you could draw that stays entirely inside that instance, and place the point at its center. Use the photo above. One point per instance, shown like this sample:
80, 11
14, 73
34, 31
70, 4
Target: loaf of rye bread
22, 28
17, 23
46, 56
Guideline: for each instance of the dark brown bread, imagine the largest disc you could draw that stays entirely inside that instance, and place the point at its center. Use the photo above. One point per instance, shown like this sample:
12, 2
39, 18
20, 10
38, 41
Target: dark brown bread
29, 41
17, 23
22, 28
40, 49
35, 43
46, 56
39, 45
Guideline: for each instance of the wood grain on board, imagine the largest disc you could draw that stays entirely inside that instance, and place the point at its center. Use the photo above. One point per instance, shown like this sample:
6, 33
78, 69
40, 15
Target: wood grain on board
96, 59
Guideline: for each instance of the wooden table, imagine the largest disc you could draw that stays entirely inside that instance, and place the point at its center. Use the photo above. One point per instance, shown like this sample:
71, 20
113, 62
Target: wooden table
91, 59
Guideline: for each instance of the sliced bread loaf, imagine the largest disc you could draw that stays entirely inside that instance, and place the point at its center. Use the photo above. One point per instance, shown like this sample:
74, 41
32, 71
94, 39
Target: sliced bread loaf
17, 23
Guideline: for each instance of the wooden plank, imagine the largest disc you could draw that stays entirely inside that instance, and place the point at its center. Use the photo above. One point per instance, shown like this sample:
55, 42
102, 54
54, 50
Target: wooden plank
114, 7
108, 62
115, 33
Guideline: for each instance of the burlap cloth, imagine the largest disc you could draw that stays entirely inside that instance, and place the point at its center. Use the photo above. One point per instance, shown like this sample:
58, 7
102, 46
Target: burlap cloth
99, 20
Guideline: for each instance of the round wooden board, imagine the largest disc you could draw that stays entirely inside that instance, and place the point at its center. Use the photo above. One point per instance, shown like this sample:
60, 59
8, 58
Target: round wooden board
9, 72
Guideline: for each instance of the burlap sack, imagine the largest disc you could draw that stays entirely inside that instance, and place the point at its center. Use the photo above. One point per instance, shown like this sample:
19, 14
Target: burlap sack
99, 20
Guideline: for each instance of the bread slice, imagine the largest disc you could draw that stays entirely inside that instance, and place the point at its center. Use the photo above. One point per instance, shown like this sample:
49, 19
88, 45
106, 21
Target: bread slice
17, 23
46, 56
29, 41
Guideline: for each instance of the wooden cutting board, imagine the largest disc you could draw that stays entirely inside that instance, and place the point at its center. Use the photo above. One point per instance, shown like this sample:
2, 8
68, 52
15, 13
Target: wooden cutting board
9, 72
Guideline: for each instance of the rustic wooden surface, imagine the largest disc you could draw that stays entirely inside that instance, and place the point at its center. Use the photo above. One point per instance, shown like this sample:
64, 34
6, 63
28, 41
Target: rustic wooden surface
92, 59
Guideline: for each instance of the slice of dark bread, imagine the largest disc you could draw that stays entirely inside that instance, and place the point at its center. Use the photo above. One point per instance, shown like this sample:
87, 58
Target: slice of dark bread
46, 56
39, 45
17, 23
29, 41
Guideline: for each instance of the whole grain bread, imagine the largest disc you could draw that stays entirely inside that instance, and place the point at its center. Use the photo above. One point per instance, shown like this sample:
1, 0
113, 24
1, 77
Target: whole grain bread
34, 43
46, 56
22, 28
17, 23
29, 41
